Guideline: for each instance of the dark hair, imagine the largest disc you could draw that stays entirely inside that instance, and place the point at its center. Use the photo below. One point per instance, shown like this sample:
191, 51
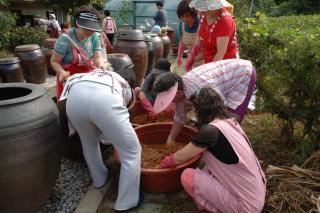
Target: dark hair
159, 3
84, 9
209, 106
183, 7
166, 81
127, 74
152, 80
107, 13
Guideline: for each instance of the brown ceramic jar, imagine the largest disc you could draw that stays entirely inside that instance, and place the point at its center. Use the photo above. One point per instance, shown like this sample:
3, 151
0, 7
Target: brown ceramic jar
166, 44
33, 63
151, 53
10, 70
119, 61
132, 42
158, 46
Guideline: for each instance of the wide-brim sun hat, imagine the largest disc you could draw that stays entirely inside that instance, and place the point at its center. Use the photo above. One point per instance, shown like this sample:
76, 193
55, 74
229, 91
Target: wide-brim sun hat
165, 98
88, 21
207, 5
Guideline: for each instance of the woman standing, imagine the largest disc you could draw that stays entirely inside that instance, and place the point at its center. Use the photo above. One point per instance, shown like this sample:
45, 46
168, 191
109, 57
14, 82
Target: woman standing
160, 18
188, 28
78, 50
232, 179
109, 26
217, 34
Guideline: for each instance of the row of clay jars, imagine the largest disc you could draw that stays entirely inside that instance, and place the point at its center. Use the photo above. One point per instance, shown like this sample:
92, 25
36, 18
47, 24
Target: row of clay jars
35, 63
135, 44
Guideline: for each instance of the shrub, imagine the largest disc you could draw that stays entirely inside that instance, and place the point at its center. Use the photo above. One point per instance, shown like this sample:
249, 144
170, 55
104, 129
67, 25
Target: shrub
19, 36
286, 53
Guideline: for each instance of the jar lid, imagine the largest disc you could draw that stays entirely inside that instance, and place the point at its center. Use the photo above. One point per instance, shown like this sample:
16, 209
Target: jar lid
130, 35
26, 48
10, 60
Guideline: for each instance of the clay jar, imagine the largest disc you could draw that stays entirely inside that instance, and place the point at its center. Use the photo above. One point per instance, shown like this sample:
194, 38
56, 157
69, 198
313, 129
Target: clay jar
151, 53
132, 42
49, 43
166, 44
33, 63
170, 33
158, 46
119, 61
47, 51
30, 147
10, 70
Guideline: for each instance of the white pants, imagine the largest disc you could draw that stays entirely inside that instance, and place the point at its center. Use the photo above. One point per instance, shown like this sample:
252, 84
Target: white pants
91, 108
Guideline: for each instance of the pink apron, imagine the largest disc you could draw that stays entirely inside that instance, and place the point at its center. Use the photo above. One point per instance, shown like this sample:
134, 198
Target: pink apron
231, 188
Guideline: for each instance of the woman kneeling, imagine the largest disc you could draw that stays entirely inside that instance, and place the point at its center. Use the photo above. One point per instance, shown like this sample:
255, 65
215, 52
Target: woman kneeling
232, 179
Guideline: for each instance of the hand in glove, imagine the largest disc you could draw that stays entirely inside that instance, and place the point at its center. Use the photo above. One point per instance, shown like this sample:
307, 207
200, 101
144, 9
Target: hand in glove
192, 56
146, 104
168, 162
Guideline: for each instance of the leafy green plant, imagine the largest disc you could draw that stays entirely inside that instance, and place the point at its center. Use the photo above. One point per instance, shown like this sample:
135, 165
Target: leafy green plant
286, 53
19, 36
7, 19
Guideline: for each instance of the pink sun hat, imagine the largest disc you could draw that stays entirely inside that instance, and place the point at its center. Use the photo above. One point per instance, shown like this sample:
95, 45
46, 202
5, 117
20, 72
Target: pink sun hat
165, 98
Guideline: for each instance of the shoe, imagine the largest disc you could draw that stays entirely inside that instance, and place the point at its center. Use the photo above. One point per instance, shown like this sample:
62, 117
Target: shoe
141, 199
107, 179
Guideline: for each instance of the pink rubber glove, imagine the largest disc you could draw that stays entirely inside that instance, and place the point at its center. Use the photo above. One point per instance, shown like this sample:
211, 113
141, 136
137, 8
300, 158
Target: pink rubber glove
146, 104
168, 162
192, 56
180, 53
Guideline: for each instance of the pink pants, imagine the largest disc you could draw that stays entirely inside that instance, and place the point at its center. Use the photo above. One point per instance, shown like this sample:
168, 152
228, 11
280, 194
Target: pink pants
218, 198
187, 180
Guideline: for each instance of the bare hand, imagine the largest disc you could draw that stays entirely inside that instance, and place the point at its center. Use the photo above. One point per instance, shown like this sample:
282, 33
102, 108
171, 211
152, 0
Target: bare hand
64, 75
106, 66
179, 61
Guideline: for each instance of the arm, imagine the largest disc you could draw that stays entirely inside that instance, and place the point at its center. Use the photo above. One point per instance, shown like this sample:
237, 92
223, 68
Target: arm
97, 55
56, 66
192, 55
98, 59
181, 156
187, 152
180, 52
175, 130
206, 138
145, 102
222, 45
41, 20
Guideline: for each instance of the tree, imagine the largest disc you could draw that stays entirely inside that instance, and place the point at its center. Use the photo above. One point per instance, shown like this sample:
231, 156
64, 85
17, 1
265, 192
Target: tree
69, 6
7, 19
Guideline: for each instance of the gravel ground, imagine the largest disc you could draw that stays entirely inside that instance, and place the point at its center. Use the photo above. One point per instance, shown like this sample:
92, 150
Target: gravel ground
73, 182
